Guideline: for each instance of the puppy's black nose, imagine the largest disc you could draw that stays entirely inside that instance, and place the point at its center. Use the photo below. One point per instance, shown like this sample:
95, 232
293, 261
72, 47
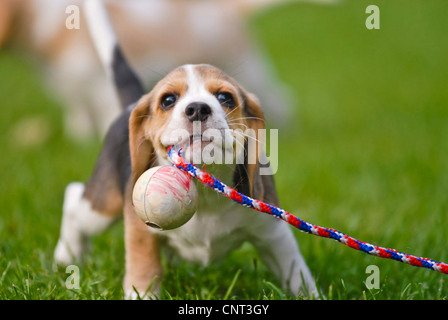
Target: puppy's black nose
197, 111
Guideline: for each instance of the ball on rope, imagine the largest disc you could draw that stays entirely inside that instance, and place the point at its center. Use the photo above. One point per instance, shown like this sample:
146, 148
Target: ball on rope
165, 197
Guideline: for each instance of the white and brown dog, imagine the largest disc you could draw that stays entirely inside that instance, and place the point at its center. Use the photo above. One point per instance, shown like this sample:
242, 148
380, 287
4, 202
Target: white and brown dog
138, 140
179, 31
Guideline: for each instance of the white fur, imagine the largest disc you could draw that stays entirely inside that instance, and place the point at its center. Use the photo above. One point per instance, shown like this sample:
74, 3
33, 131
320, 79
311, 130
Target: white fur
149, 295
79, 222
101, 31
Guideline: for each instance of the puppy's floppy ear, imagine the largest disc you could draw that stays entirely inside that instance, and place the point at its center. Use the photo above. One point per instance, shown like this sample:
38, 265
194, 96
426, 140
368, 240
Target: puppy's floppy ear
255, 121
247, 176
140, 147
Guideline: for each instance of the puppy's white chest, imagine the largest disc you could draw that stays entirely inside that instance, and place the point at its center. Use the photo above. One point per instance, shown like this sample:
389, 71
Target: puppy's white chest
219, 226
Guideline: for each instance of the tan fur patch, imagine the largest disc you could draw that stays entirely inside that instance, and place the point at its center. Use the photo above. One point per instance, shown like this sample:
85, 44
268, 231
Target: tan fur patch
143, 266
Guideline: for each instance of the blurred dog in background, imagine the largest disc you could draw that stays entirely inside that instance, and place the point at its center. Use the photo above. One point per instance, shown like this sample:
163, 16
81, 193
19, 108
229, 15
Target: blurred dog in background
157, 35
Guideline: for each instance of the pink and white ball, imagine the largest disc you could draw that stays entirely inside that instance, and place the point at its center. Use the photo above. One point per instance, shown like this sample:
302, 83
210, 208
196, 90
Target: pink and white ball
164, 197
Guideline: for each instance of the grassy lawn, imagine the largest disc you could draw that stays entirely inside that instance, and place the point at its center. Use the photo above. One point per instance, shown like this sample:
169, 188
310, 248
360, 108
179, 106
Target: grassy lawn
366, 154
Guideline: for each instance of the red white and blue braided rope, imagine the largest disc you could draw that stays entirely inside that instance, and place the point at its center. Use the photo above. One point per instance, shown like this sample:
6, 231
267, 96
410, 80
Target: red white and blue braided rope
218, 186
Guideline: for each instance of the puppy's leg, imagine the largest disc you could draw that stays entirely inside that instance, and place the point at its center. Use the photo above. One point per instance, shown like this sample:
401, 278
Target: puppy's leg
79, 222
143, 267
280, 252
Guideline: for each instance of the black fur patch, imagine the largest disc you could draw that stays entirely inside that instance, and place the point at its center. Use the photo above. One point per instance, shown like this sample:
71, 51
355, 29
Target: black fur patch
128, 85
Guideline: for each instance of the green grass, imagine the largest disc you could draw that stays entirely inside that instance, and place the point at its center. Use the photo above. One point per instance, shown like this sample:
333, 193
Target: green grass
367, 155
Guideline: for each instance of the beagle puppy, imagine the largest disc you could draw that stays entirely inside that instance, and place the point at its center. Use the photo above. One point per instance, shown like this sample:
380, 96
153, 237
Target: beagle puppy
191, 99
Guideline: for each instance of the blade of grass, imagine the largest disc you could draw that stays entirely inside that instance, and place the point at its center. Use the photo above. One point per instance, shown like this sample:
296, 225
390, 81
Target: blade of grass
276, 289
232, 284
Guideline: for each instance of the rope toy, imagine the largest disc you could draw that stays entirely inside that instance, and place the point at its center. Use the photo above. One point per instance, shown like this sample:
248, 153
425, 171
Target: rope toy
218, 186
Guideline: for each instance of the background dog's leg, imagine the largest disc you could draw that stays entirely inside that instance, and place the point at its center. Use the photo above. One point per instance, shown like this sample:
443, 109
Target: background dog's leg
280, 252
79, 222
143, 268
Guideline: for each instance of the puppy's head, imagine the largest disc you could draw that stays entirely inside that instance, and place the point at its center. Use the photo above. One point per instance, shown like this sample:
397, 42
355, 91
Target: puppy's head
201, 109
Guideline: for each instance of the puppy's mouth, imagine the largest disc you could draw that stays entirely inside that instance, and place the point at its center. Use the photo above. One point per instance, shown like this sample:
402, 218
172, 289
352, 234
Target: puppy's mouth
196, 140
213, 145
198, 148
200, 138
195, 145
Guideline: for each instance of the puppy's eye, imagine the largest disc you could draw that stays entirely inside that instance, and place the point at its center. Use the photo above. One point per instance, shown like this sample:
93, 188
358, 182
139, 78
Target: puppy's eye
168, 101
225, 99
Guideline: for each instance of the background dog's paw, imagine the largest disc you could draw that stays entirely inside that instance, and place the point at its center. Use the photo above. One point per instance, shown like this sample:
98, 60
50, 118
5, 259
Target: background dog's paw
148, 295
62, 255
